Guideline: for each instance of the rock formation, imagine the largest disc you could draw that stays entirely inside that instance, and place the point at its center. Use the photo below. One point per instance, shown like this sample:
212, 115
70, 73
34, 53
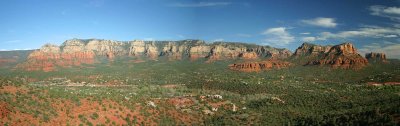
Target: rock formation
259, 66
308, 49
77, 51
376, 57
248, 55
341, 56
50, 56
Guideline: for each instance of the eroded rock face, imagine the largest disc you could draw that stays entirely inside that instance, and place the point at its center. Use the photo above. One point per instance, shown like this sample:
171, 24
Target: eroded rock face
249, 55
223, 51
49, 48
342, 56
376, 57
307, 49
47, 61
259, 66
77, 51
107, 47
200, 51
282, 54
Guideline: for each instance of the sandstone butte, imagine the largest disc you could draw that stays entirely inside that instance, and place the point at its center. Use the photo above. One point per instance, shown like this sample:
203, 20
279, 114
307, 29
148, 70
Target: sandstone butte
342, 56
259, 66
75, 52
376, 57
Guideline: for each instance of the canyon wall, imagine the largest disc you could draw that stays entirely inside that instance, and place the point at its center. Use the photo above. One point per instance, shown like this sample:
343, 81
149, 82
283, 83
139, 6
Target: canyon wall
84, 51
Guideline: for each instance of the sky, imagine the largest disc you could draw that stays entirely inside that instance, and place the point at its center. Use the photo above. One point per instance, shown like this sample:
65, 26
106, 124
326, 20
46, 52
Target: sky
371, 25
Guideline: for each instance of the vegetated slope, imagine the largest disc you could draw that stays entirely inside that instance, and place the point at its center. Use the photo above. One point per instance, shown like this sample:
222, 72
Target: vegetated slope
123, 94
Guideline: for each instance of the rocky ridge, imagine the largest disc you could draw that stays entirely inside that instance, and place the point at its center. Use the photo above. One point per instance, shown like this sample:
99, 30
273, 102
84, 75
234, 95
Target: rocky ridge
376, 57
84, 51
259, 66
344, 55
75, 52
308, 49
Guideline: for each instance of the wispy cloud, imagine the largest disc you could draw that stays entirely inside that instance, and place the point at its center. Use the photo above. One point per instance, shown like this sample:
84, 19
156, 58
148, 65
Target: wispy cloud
149, 39
364, 32
218, 40
391, 49
391, 36
374, 32
278, 36
321, 22
309, 39
389, 12
305, 33
200, 4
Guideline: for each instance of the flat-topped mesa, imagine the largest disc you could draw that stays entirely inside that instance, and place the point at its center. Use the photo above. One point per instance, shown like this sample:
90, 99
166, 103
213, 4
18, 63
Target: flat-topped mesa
376, 57
49, 57
74, 50
342, 56
222, 50
307, 49
173, 49
259, 66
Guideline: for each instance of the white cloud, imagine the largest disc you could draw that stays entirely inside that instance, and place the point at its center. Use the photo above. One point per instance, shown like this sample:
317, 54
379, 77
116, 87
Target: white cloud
376, 32
218, 40
321, 22
201, 4
389, 12
148, 39
366, 32
309, 39
305, 33
390, 36
278, 36
391, 49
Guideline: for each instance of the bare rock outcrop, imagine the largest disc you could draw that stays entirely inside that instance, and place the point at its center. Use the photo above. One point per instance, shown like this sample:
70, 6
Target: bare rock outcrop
376, 57
77, 51
308, 49
342, 56
47, 61
248, 55
259, 66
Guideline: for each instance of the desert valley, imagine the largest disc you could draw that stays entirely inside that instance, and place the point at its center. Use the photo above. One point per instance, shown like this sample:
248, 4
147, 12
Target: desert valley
199, 63
191, 82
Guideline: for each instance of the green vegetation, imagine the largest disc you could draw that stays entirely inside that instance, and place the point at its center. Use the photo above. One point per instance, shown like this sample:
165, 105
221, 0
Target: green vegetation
300, 95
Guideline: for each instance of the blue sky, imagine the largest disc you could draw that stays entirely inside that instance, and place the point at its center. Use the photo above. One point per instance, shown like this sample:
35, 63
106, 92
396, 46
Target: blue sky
372, 25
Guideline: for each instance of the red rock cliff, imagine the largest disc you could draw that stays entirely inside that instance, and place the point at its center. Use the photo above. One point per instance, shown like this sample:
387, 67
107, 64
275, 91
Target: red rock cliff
259, 66
376, 57
342, 56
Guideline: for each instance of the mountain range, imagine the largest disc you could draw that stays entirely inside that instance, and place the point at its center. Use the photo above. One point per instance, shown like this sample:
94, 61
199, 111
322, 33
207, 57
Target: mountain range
75, 52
